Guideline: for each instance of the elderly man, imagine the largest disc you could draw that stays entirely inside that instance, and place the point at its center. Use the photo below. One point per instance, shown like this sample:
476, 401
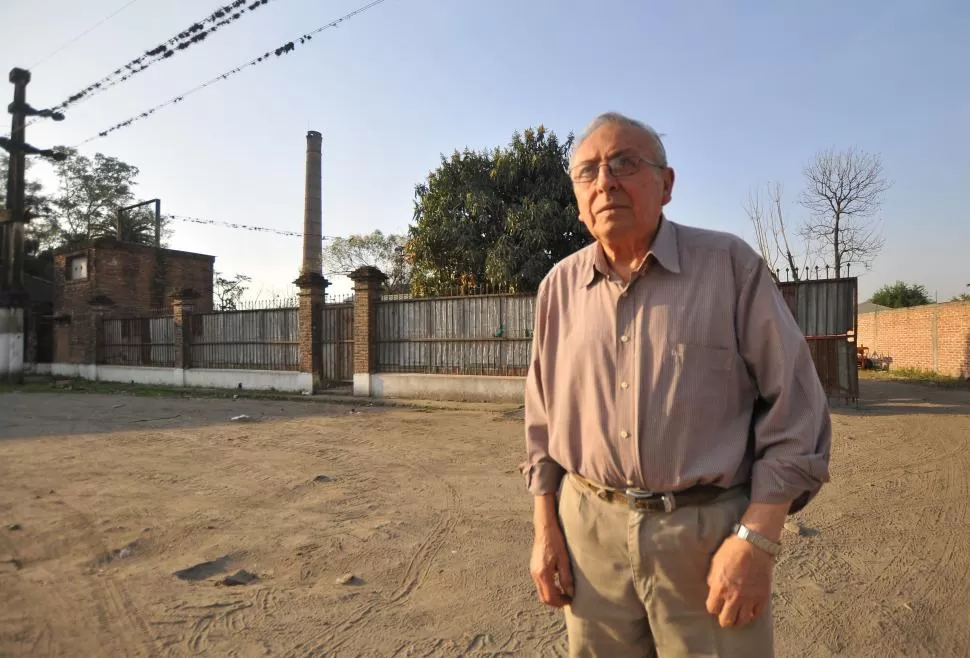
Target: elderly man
673, 404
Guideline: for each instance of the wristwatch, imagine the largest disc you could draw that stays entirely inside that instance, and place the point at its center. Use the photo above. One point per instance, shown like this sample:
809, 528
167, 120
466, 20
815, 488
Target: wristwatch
772, 548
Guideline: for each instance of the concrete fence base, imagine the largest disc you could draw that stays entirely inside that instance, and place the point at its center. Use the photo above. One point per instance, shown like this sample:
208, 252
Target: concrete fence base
253, 380
462, 388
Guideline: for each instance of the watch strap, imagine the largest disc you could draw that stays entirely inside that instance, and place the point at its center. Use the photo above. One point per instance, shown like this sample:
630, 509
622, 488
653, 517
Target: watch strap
772, 548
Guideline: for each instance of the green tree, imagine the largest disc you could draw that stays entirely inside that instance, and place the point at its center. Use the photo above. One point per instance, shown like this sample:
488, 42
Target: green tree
38, 243
385, 252
901, 295
962, 297
90, 193
502, 217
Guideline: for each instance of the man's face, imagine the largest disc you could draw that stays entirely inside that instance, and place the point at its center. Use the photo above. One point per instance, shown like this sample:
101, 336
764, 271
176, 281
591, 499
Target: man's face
627, 208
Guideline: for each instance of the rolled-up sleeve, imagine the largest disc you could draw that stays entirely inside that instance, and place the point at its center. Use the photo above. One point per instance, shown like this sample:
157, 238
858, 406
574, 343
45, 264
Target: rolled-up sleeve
542, 473
792, 427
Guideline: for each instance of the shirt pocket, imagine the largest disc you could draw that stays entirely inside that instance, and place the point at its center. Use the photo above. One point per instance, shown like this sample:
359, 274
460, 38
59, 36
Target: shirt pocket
696, 359
701, 380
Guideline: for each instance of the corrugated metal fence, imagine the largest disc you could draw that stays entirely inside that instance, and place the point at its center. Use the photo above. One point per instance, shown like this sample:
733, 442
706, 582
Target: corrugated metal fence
825, 310
337, 333
462, 335
265, 339
138, 341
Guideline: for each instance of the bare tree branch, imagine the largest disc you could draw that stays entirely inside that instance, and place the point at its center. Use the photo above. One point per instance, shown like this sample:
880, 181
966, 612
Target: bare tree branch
843, 192
774, 244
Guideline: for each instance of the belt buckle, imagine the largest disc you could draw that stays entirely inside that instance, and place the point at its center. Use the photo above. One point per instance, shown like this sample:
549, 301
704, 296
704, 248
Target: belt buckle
633, 496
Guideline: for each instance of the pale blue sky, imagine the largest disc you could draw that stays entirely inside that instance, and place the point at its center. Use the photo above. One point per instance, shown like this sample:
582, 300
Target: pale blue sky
745, 92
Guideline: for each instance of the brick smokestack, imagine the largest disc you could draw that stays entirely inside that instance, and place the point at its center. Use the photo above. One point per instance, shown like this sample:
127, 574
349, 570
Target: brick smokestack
312, 210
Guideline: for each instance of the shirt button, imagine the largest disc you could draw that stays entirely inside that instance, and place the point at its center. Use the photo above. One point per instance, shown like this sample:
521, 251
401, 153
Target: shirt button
624, 434
624, 385
624, 338
629, 483
623, 294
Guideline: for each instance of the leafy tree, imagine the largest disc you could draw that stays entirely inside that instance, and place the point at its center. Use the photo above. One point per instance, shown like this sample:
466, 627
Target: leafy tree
38, 256
385, 252
962, 297
90, 193
901, 295
227, 291
502, 217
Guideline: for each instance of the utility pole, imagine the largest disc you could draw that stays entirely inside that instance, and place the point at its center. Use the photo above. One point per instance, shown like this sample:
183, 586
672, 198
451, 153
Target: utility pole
13, 298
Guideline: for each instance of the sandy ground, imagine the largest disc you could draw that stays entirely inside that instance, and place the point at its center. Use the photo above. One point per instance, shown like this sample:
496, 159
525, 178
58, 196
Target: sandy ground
104, 498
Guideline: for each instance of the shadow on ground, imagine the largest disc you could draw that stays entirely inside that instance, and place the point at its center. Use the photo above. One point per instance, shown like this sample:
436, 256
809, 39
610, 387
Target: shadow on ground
34, 415
895, 398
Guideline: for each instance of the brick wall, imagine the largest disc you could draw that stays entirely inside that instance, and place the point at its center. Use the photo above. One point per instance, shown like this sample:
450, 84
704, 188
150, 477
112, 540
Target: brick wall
933, 337
135, 278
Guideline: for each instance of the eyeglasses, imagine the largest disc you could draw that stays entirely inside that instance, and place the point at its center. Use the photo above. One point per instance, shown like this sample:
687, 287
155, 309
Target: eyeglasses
618, 166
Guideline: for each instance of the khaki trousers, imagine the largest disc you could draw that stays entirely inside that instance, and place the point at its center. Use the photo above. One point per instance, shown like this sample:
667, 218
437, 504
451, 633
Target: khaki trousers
641, 580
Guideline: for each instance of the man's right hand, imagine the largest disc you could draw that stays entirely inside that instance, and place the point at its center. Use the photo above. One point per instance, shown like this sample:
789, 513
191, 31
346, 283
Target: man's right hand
549, 566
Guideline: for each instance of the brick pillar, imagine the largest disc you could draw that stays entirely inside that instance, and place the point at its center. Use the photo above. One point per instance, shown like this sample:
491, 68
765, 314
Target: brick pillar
183, 303
313, 290
368, 282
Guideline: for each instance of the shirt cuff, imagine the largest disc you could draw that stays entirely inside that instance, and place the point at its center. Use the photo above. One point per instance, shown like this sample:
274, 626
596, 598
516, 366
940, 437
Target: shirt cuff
544, 477
782, 480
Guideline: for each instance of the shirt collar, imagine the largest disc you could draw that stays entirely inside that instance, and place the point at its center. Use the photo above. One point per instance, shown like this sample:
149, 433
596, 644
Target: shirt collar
663, 249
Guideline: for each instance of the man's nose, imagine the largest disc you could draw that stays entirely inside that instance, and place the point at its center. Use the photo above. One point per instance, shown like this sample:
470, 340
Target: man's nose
605, 180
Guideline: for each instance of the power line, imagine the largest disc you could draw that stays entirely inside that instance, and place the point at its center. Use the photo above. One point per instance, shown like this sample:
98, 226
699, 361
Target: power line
192, 35
241, 227
285, 49
85, 33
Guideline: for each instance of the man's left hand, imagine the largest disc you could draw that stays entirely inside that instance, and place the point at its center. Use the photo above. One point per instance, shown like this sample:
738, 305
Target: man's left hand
740, 582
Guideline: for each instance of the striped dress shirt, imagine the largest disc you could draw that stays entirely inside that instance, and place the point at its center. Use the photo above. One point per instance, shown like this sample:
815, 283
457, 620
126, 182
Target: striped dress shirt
694, 372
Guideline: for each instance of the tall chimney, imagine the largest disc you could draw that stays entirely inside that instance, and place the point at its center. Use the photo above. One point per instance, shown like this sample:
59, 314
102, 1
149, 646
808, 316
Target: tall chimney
312, 210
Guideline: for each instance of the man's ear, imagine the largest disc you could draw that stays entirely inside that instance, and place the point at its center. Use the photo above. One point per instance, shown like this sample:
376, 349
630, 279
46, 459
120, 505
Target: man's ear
668, 178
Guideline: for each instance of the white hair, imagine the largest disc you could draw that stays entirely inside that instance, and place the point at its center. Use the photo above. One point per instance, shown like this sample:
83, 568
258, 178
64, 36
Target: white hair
611, 118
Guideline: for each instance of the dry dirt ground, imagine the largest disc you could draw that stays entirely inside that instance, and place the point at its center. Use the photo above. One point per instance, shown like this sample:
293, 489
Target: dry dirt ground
104, 498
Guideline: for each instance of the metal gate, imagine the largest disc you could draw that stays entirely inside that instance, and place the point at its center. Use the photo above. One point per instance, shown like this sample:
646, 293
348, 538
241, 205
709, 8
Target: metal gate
825, 310
337, 332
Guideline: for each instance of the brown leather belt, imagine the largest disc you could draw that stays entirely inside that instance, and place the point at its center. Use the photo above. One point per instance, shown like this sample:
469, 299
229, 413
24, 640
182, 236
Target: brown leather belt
653, 501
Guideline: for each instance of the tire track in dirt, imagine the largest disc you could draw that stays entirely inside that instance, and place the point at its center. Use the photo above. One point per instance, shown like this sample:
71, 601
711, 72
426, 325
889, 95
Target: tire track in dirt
118, 616
416, 571
114, 596
893, 505
225, 618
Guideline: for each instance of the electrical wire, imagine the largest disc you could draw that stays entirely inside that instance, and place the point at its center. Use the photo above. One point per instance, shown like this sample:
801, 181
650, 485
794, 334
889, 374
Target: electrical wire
190, 36
282, 50
241, 227
83, 34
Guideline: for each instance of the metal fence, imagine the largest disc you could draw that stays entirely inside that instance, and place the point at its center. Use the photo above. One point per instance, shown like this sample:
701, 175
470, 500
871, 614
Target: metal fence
337, 334
465, 335
266, 339
826, 312
137, 342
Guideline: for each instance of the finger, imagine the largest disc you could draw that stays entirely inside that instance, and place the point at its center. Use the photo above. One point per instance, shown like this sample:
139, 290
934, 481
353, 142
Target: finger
565, 574
728, 618
745, 614
548, 592
715, 601
756, 610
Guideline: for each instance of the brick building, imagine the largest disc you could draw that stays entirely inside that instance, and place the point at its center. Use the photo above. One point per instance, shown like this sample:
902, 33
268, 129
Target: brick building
932, 337
108, 278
